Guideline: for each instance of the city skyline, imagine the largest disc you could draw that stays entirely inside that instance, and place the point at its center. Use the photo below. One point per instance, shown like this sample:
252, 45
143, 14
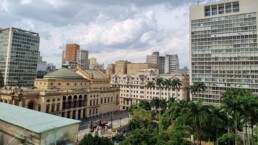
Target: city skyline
112, 29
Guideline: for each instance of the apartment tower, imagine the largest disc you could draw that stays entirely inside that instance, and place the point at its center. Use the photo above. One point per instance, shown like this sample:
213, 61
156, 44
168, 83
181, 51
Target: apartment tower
223, 47
171, 64
19, 51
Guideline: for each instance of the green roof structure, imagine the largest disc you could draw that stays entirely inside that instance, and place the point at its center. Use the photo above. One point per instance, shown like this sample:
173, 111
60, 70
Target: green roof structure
64, 74
34, 121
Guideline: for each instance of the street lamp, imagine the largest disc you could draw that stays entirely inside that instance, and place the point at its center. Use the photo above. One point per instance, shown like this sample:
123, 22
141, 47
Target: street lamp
111, 121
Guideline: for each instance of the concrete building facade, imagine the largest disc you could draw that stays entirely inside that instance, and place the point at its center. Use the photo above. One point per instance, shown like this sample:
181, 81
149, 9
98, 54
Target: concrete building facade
71, 52
161, 65
133, 68
171, 64
121, 67
82, 59
133, 87
153, 58
223, 47
41, 67
110, 69
19, 51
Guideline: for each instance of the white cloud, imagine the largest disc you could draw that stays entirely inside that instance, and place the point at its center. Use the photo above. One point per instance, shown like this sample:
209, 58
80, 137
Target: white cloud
109, 32
25, 2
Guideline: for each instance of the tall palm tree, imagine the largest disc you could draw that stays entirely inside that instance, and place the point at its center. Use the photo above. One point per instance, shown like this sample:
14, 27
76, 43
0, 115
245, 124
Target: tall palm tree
249, 106
171, 101
196, 112
155, 103
176, 85
197, 87
232, 102
159, 83
217, 117
150, 84
167, 83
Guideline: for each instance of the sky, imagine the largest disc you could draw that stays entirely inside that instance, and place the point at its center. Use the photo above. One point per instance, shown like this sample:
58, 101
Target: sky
110, 30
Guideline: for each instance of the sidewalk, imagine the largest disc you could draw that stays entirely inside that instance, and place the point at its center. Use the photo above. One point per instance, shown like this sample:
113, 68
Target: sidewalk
118, 120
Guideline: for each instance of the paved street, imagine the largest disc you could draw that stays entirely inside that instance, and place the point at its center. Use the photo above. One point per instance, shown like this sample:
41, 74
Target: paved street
119, 119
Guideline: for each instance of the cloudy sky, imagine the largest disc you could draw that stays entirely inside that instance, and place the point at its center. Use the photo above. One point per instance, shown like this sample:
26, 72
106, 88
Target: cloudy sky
109, 29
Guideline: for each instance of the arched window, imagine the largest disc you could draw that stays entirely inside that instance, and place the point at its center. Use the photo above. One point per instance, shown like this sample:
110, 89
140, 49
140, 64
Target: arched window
47, 108
80, 97
53, 108
31, 105
64, 98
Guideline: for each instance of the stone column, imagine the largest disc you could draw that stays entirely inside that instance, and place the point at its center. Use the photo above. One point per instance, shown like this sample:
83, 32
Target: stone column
76, 114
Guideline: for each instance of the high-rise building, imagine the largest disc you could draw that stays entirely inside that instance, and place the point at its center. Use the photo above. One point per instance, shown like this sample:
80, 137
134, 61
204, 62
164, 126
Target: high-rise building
82, 59
19, 51
71, 52
121, 67
153, 58
223, 47
69, 56
51, 67
93, 63
110, 69
161, 65
73, 57
41, 67
171, 64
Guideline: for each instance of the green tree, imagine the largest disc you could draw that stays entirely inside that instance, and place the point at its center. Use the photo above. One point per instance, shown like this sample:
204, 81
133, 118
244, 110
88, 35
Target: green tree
196, 112
144, 104
171, 101
159, 83
216, 124
176, 85
150, 84
232, 102
197, 87
132, 108
155, 103
95, 140
141, 119
141, 137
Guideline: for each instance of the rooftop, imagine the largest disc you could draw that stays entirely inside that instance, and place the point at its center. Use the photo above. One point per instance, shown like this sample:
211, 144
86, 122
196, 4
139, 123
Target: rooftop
64, 74
34, 121
96, 74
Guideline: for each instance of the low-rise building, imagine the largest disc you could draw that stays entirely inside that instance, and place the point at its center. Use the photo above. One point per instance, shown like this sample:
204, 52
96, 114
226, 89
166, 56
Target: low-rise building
77, 95
24, 126
133, 88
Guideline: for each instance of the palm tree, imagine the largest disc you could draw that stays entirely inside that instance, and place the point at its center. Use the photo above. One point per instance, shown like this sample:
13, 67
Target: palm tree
197, 87
167, 83
171, 101
150, 84
159, 83
232, 102
196, 113
176, 84
249, 106
217, 117
155, 103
